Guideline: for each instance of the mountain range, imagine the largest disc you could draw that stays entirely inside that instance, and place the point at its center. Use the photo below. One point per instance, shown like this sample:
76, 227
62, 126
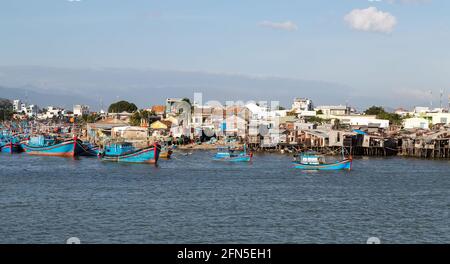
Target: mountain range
99, 87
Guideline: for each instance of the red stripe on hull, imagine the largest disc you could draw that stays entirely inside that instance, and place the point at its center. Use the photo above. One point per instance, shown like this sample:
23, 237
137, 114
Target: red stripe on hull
68, 155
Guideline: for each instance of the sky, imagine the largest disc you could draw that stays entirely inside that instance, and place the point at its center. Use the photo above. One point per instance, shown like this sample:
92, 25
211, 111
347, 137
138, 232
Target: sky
397, 48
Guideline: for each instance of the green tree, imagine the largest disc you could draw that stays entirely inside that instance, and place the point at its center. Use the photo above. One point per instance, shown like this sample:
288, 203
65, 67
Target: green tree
187, 100
135, 119
315, 120
319, 112
379, 111
122, 106
6, 110
91, 118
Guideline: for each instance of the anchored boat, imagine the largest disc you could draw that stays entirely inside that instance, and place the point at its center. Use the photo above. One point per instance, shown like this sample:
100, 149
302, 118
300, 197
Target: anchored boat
230, 154
166, 153
125, 152
312, 161
48, 146
89, 150
10, 146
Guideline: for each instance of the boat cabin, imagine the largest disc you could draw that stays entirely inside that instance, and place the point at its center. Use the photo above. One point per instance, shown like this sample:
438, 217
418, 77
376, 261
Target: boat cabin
119, 149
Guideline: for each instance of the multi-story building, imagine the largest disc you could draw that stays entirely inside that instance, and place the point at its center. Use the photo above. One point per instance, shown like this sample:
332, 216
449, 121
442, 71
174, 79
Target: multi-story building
80, 110
334, 110
302, 104
17, 106
31, 110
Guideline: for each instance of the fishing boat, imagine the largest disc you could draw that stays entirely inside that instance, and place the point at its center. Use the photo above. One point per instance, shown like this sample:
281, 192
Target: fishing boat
166, 153
89, 150
9, 143
10, 146
50, 146
232, 155
312, 161
126, 152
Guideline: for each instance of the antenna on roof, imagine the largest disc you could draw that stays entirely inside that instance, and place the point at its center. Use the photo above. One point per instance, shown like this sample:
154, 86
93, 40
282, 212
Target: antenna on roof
440, 98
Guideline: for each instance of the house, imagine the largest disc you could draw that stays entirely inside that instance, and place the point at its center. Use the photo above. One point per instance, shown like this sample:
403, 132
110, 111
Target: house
363, 120
416, 122
80, 110
158, 110
17, 104
161, 125
124, 116
402, 112
302, 104
439, 118
333, 110
315, 138
129, 132
102, 128
175, 106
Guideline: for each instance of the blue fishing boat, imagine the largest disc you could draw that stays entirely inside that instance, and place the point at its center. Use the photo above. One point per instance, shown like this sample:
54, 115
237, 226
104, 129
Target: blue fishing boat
9, 144
49, 146
231, 155
126, 152
312, 161
10, 147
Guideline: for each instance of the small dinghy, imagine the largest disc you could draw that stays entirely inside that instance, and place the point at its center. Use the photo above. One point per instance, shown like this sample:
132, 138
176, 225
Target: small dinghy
232, 155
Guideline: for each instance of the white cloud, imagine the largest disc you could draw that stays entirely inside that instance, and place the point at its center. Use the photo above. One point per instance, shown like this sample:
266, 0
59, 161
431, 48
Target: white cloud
287, 25
371, 19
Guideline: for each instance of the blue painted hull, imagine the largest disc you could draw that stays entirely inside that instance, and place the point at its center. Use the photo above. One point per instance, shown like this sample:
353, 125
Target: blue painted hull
147, 155
10, 149
238, 158
342, 165
70, 148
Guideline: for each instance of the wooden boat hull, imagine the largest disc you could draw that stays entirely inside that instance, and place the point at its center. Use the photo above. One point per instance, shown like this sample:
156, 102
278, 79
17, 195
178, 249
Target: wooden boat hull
165, 154
70, 148
90, 151
341, 165
148, 155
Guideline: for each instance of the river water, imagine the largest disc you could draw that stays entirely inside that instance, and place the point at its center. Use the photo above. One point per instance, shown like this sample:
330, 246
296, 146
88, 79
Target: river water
191, 199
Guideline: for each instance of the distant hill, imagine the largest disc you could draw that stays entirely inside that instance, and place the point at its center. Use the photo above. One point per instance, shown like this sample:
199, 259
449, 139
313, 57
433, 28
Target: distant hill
43, 99
4, 102
146, 87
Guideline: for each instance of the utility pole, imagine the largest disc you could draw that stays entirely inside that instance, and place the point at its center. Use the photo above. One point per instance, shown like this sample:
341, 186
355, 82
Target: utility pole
431, 100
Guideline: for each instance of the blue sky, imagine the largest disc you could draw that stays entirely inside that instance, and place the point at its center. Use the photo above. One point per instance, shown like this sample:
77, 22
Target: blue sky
398, 46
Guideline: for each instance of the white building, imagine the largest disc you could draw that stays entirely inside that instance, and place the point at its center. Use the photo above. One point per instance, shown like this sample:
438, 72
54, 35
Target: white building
174, 105
51, 112
439, 118
363, 121
302, 104
17, 106
31, 110
23, 107
334, 110
403, 112
80, 110
415, 122
421, 110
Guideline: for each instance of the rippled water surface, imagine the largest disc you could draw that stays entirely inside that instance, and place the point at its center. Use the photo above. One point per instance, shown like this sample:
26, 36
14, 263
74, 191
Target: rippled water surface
191, 199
